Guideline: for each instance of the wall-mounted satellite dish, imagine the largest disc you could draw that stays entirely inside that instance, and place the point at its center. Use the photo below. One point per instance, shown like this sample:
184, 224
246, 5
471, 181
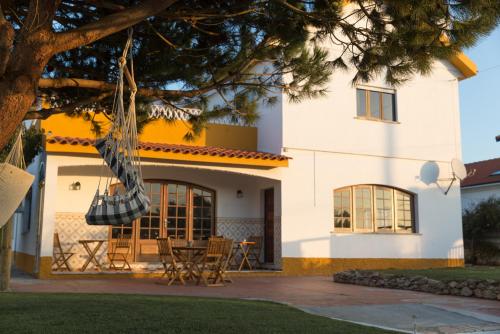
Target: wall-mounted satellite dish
459, 173
458, 168
429, 172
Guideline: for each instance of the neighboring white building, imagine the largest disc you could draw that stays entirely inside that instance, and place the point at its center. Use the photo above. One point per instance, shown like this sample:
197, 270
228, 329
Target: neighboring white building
482, 184
341, 185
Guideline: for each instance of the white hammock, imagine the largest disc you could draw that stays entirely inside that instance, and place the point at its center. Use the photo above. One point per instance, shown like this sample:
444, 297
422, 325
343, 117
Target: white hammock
119, 151
14, 181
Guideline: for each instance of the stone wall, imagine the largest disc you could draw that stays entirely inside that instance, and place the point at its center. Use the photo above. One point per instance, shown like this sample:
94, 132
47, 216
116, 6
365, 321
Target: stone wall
488, 289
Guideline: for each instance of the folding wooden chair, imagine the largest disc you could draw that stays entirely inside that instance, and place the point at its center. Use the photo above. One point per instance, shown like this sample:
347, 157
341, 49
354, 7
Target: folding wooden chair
119, 253
60, 258
209, 269
228, 256
173, 269
255, 250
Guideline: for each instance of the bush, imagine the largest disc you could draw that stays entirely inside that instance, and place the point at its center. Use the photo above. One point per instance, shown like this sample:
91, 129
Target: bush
478, 223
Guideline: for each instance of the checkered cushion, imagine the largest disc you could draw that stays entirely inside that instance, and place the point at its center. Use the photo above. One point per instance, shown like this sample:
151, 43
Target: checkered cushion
123, 208
118, 209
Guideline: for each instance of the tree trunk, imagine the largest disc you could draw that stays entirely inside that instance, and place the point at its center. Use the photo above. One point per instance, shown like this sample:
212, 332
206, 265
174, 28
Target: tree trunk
6, 255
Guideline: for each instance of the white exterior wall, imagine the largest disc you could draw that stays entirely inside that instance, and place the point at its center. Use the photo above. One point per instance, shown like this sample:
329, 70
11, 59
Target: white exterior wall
307, 213
471, 196
331, 148
25, 238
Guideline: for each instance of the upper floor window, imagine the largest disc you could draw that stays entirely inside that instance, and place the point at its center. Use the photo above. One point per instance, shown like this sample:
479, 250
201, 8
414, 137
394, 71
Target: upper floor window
377, 105
373, 208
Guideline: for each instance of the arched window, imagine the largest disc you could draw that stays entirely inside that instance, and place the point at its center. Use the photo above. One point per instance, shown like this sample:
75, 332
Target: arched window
373, 208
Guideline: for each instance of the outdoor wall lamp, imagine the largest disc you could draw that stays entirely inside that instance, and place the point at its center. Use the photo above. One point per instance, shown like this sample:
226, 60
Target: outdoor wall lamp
239, 194
75, 186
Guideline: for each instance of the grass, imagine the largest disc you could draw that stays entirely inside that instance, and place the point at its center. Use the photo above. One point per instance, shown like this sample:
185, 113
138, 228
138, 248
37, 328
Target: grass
450, 274
88, 313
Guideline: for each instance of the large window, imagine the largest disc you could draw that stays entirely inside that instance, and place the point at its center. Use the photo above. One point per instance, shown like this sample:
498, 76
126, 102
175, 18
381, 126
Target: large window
373, 208
377, 105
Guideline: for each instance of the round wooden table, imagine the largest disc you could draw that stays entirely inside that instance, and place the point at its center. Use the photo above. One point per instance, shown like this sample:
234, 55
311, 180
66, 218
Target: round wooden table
189, 256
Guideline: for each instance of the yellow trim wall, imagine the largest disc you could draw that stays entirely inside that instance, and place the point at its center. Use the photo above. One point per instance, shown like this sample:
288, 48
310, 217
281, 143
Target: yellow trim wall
24, 262
159, 131
291, 267
327, 266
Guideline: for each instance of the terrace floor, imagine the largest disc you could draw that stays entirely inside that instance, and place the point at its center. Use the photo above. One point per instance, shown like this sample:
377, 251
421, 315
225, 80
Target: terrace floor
395, 309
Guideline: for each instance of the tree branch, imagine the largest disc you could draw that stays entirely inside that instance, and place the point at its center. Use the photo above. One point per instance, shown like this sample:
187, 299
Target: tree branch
6, 41
109, 25
69, 108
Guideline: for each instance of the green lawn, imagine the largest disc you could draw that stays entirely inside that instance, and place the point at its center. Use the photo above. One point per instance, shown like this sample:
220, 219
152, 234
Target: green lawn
450, 274
86, 313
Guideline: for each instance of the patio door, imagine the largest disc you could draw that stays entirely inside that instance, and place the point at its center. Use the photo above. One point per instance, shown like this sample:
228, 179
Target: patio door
179, 210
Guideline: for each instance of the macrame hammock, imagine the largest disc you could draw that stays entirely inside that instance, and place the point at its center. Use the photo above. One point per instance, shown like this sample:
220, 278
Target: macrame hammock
119, 150
14, 180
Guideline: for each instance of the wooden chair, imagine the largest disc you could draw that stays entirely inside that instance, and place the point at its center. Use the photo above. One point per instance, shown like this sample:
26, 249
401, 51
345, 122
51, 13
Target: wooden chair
118, 253
200, 243
178, 242
228, 256
60, 258
209, 269
173, 269
255, 250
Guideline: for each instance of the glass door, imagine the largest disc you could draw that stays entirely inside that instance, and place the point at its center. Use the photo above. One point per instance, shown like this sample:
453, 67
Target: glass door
178, 210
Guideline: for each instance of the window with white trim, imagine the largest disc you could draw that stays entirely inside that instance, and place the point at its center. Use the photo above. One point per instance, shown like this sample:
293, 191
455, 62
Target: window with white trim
373, 208
376, 105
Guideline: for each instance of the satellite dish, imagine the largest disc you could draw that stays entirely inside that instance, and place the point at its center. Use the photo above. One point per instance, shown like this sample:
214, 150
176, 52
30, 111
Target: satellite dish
458, 168
429, 172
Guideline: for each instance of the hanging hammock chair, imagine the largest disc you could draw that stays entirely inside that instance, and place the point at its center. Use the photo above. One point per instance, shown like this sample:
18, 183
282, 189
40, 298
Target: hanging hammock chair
119, 152
14, 181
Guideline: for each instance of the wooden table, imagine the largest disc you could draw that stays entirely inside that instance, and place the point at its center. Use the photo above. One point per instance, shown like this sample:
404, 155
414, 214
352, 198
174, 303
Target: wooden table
92, 252
189, 256
245, 247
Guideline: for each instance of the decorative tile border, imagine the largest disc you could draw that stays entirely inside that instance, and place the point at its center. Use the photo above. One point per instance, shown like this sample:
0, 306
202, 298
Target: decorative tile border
72, 227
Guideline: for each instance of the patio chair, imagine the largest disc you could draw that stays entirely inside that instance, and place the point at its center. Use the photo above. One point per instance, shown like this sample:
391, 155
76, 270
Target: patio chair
178, 242
228, 256
173, 269
200, 243
119, 253
60, 258
209, 269
255, 250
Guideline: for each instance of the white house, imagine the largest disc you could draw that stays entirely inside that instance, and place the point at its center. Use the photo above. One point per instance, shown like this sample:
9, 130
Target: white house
482, 184
330, 184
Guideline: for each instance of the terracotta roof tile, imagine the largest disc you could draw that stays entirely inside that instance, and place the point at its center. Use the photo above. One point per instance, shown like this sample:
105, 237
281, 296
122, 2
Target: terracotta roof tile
180, 149
481, 173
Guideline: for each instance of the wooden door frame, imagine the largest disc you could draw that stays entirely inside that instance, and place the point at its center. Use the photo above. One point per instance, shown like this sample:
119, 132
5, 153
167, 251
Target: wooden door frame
135, 251
269, 239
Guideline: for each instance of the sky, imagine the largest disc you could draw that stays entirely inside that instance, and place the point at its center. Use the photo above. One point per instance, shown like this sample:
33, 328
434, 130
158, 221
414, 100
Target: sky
480, 102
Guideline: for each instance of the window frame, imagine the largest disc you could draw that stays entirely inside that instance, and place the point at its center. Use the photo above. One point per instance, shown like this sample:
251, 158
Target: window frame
367, 104
373, 201
345, 229
354, 209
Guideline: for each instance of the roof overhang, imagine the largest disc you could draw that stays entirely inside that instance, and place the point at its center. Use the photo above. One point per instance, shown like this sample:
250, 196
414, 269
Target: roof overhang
464, 64
174, 152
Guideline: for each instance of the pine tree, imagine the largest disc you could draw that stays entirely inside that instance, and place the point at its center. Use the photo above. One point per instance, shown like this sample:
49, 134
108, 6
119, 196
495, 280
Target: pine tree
66, 51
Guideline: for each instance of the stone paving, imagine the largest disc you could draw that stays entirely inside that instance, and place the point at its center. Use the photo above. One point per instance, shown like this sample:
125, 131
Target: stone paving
396, 309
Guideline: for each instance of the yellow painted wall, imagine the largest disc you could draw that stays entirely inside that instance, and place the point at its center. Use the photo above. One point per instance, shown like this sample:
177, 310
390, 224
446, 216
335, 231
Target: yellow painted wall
24, 262
160, 131
327, 266
291, 267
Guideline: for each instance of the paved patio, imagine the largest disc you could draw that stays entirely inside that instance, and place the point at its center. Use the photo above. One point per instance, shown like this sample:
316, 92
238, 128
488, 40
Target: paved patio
395, 309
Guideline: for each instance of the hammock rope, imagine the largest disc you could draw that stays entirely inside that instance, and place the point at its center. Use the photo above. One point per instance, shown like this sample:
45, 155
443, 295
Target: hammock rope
119, 150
